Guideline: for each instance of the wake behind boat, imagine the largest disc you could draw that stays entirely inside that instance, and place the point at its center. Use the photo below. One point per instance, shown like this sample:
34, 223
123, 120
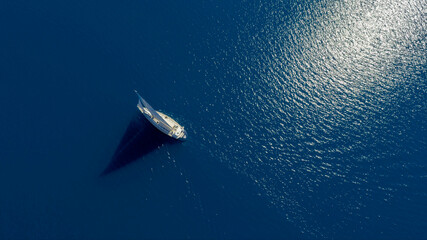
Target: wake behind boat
161, 121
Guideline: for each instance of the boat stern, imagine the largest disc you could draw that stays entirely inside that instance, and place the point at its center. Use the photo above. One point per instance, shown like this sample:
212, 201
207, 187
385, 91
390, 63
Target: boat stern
184, 135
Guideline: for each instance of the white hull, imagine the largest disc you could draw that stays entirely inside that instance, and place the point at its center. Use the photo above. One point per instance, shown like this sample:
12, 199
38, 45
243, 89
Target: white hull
162, 122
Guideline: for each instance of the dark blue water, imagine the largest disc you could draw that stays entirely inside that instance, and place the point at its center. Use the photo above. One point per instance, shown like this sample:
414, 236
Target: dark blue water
306, 119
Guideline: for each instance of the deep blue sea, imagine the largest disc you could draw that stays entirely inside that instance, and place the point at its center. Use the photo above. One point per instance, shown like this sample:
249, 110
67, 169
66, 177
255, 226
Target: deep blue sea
306, 119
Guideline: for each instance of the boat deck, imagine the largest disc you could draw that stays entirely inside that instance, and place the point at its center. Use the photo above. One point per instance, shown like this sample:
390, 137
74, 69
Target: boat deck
176, 130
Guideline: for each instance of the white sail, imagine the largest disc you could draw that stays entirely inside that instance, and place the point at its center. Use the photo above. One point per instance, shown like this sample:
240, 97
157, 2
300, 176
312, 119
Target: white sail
162, 122
153, 112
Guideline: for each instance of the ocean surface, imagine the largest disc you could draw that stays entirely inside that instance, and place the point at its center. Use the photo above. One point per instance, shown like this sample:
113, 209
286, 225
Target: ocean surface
307, 119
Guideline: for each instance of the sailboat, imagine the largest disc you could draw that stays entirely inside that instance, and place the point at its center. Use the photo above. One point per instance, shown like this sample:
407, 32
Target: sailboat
161, 121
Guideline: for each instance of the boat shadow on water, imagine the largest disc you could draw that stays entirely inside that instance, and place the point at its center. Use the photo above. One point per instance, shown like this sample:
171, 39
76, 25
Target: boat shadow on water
140, 138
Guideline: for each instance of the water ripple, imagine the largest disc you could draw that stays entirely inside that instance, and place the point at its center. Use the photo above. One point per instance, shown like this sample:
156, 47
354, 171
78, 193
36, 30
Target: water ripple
328, 98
